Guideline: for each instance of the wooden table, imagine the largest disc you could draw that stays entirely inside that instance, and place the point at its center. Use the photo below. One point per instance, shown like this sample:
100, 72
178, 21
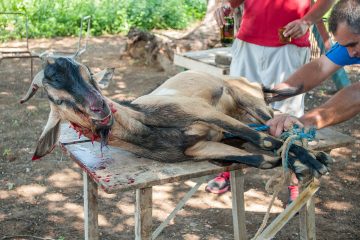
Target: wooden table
204, 61
116, 170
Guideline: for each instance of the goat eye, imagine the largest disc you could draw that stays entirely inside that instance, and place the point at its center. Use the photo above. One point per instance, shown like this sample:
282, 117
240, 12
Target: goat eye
58, 102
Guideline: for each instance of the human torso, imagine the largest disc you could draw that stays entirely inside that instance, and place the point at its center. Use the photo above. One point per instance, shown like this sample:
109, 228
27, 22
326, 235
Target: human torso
262, 19
340, 56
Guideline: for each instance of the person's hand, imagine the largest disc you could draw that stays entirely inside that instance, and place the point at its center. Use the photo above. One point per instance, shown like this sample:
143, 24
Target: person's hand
220, 14
296, 29
281, 123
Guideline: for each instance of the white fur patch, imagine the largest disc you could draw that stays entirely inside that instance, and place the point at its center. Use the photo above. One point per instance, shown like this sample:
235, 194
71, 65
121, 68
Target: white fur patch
164, 91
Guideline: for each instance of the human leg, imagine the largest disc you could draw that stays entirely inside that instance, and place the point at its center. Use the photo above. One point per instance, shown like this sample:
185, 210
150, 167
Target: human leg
270, 66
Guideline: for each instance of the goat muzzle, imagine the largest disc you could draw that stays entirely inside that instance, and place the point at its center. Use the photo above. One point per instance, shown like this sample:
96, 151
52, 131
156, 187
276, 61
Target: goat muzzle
105, 122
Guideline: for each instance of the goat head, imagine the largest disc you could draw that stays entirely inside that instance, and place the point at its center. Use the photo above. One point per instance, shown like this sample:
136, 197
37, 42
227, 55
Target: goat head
72, 90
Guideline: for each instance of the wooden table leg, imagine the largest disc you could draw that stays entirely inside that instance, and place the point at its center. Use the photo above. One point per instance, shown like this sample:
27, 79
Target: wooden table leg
90, 208
238, 204
307, 221
277, 224
143, 214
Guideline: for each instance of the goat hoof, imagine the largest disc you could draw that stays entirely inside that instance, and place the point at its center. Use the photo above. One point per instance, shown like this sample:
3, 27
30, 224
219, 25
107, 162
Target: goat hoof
267, 144
324, 158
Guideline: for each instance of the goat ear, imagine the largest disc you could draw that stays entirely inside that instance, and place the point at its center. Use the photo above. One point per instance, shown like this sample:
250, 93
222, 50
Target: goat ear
274, 95
49, 136
103, 77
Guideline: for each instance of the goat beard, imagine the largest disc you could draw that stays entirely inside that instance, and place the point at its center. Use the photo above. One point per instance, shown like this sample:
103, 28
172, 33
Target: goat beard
99, 133
104, 133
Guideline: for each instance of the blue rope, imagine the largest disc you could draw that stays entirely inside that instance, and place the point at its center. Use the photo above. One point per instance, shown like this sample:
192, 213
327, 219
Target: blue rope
300, 132
255, 126
300, 135
296, 130
258, 127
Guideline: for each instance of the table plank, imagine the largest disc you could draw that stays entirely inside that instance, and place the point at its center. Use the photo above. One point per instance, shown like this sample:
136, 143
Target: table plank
69, 136
203, 61
116, 169
207, 56
328, 139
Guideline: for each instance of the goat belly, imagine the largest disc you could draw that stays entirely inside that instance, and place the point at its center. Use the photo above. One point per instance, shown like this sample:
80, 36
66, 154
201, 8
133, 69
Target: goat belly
161, 144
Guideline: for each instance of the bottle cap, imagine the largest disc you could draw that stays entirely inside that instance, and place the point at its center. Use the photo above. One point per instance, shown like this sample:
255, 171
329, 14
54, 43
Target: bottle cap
282, 38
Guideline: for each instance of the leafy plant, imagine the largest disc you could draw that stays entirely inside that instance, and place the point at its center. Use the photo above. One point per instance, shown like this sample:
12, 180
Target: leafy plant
6, 152
50, 18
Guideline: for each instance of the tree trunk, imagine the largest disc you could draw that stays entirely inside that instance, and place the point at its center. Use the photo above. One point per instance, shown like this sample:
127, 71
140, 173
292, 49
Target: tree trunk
158, 47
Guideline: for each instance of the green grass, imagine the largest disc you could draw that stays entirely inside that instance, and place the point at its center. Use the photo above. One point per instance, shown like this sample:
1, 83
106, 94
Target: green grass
50, 18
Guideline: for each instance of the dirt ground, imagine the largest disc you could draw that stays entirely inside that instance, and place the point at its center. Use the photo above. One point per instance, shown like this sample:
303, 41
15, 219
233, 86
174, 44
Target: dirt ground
43, 199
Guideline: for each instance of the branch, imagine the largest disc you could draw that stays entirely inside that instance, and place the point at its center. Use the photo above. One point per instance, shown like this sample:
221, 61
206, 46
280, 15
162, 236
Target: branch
28, 236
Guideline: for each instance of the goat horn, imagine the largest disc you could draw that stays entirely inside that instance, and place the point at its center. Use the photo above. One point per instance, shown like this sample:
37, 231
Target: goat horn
35, 85
50, 59
47, 57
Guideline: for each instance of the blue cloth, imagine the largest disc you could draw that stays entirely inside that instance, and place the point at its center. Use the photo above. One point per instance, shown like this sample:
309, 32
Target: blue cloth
340, 56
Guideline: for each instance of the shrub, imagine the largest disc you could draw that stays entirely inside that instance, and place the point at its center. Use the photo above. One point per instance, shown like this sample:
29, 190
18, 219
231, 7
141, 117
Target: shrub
50, 18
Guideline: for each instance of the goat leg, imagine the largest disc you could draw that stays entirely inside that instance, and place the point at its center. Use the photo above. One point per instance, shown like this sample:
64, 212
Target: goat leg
217, 151
265, 141
274, 95
307, 159
238, 129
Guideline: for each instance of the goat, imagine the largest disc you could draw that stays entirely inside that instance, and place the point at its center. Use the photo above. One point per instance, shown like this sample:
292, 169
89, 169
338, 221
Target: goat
187, 118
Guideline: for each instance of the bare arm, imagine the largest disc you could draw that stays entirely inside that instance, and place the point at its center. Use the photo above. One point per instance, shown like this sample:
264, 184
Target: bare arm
344, 105
341, 107
310, 75
317, 11
299, 27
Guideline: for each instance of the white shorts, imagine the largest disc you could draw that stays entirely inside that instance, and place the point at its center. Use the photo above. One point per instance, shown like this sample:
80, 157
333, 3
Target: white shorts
270, 66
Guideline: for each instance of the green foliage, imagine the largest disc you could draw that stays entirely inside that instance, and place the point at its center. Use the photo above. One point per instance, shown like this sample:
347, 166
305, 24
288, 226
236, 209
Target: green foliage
6, 152
50, 18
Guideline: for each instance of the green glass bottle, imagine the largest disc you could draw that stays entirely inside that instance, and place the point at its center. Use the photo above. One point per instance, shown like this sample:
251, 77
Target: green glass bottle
227, 31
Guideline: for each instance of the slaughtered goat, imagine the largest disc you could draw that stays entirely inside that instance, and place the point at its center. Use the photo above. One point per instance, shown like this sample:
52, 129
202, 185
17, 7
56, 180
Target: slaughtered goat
187, 118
